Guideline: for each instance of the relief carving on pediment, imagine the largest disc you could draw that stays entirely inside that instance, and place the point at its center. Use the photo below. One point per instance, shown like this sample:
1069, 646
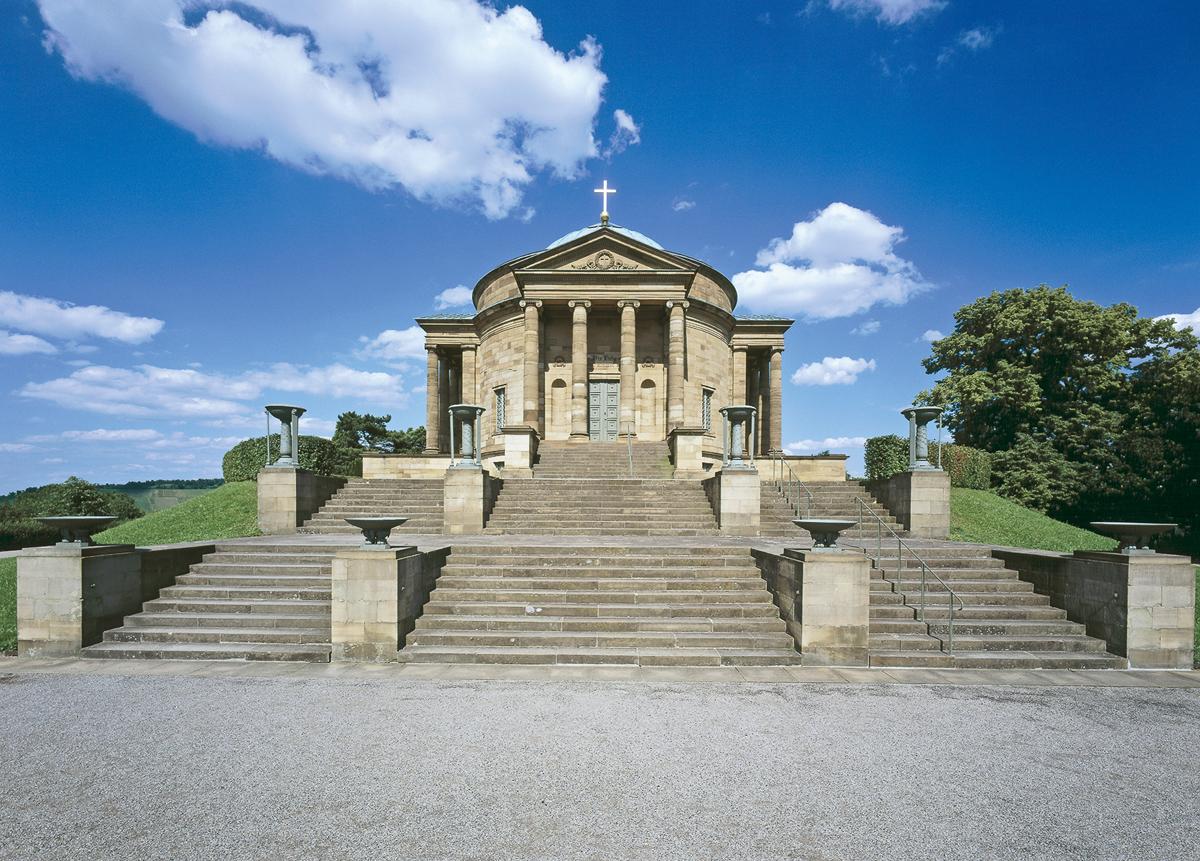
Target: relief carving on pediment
603, 261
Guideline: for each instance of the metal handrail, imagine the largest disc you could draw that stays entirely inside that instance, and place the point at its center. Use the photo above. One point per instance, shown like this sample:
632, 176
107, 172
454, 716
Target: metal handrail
926, 571
790, 486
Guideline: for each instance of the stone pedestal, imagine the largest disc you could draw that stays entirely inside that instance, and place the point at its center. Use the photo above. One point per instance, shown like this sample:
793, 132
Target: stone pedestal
68, 595
520, 450
736, 501
370, 593
919, 499
464, 501
288, 496
834, 607
687, 452
1142, 605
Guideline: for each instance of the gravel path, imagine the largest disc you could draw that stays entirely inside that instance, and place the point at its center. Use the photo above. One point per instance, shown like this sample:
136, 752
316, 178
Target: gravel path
205, 768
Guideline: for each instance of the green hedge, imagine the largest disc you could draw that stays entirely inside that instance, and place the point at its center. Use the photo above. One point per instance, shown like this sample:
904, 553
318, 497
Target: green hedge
322, 456
968, 467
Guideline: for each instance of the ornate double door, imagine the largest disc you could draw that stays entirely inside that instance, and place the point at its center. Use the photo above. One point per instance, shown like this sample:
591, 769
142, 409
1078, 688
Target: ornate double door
604, 409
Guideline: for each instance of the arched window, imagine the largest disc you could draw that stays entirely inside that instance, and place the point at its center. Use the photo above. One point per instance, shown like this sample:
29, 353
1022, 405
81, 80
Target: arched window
647, 417
560, 406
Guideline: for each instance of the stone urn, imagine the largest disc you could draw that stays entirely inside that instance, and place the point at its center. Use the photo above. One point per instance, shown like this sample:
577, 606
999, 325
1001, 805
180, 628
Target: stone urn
824, 532
78, 528
376, 530
918, 435
738, 420
289, 433
1133, 538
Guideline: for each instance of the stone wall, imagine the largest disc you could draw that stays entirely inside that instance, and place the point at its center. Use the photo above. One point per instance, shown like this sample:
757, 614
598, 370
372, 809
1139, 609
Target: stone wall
919, 499
287, 497
1142, 606
379, 465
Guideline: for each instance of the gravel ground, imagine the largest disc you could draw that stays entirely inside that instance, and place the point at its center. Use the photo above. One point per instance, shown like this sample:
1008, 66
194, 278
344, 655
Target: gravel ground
206, 768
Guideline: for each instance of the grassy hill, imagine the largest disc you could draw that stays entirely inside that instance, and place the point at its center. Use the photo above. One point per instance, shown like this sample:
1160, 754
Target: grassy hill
228, 511
977, 515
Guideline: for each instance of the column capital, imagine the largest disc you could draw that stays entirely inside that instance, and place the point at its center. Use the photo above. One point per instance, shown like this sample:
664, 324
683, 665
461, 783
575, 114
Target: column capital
579, 303
431, 348
739, 348
776, 350
629, 303
678, 303
528, 303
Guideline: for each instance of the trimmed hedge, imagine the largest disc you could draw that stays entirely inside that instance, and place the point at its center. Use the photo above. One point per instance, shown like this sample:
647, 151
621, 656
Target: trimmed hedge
322, 456
968, 467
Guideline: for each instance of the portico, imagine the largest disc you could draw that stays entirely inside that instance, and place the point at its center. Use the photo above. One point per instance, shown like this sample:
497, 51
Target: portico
602, 335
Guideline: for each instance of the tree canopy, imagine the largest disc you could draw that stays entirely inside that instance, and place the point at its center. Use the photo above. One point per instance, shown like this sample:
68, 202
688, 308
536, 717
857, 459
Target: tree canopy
366, 431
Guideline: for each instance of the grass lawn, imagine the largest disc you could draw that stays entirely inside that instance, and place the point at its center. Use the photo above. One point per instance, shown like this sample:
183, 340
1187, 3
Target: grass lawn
228, 511
977, 515
8, 605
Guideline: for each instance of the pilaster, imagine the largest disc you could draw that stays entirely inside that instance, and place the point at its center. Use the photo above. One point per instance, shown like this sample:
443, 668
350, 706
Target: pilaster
579, 369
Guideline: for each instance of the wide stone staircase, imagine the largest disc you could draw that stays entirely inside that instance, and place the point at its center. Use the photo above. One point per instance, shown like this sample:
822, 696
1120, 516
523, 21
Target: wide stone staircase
647, 606
420, 500
252, 602
603, 460
830, 499
1003, 623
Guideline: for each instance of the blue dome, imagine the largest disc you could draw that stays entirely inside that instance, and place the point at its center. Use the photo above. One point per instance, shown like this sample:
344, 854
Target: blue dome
624, 231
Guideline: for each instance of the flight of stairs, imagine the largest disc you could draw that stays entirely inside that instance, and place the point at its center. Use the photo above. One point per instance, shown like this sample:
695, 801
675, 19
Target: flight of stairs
1004, 625
645, 606
247, 601
420, 500
830, 499
602, 460
598, 506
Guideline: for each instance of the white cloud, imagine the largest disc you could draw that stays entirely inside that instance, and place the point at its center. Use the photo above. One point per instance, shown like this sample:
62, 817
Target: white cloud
393, 345
15, 344
893, 12
452, 297
63, 320
1184, 321
840, 262
869, 327
931, 335
682, 205
627, 133
452, 100
106, 435
830, 443
15, 447
146, 390
832, 371
973, 40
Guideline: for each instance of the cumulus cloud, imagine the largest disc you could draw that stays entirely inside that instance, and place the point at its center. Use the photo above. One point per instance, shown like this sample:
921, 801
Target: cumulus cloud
451, 100
1184, 321
931, 335
832, 371
16, 344
840, 262
393, 346
972, 41
452, 297
869, 327
626, 133
43, 316
109, 435
893, 12
146, 390
830, 443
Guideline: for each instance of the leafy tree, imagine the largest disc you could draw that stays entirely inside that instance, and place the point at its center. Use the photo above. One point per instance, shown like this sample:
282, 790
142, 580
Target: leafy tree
368, 431
1088, 408
76, 496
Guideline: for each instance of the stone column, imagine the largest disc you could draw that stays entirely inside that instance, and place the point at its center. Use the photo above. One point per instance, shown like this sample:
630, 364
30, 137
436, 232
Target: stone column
579, 368
739, 394
468, 393
761, 428
530, 389
675, 363
433, 406
775, 416
629, 365
444, 399
753, 390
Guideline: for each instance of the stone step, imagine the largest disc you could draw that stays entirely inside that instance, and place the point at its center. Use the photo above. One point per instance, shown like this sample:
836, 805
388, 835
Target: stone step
751, 583
989, 642
543, 622
245, 593
229, 605
596, 550
999, 660
229, 620
542, 597
205, 634
603, 639
266, 568
644, 657
950, 575
242, 558
601, 531
1044, 612
276, 582
971, 599
600, 564
1014, 627
959, 585
619, 575
488, 605
311, 652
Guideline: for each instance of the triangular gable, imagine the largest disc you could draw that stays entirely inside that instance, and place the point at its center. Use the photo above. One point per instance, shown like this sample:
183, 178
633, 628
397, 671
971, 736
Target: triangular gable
605, 251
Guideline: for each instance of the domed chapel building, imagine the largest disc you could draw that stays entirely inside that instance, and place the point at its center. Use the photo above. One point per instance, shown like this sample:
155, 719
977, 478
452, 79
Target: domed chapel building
604, 333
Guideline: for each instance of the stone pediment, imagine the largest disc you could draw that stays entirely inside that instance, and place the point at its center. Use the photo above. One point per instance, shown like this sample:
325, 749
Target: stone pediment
607, 252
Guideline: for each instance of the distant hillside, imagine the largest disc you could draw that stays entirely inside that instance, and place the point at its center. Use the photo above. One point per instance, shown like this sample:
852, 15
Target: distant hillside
147, 495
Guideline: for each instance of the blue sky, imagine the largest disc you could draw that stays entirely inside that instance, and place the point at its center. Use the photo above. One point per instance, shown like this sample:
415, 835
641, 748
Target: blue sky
208, 210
